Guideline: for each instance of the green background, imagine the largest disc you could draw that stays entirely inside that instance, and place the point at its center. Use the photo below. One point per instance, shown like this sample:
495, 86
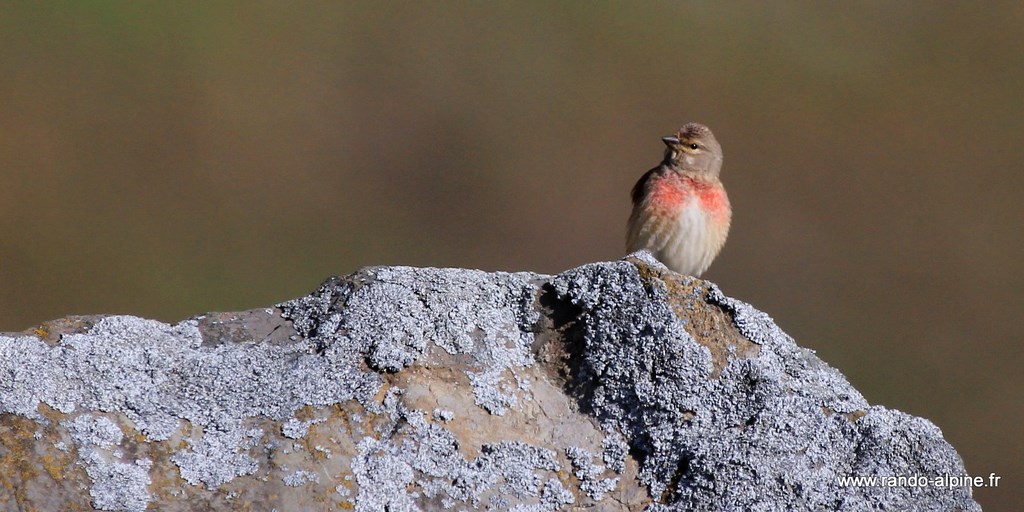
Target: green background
163, 159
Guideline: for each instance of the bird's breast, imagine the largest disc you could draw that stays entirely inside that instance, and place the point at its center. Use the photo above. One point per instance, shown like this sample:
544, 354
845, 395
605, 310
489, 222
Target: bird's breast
683, 221
670, 195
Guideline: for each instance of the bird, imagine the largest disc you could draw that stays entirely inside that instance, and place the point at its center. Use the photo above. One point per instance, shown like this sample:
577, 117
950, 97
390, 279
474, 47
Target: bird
681, 213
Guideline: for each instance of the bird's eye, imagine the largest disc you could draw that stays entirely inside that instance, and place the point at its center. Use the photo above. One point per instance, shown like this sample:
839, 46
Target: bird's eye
694, 146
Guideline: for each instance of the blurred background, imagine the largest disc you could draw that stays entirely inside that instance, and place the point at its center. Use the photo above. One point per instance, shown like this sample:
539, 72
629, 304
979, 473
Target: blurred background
163, 160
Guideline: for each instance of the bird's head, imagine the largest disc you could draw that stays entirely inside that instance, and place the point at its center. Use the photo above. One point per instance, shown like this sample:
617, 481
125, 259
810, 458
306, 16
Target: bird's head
694, 148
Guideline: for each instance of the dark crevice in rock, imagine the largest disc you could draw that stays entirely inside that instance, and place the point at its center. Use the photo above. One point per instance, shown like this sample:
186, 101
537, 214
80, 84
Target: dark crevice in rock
672, 490
564, 348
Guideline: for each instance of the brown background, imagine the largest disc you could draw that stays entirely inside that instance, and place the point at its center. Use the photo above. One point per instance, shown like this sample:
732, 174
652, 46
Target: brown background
162, 161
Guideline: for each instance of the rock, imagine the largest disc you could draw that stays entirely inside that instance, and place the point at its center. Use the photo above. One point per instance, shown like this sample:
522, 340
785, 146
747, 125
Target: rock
615, 386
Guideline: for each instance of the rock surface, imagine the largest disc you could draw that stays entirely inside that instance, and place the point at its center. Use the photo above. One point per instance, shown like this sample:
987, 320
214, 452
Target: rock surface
613, 386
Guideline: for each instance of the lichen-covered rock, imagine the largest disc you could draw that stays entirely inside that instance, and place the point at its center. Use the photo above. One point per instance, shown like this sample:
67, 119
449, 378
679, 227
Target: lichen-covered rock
615, 386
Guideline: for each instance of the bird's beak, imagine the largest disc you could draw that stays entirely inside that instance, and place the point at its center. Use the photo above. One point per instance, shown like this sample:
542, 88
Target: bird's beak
670, 141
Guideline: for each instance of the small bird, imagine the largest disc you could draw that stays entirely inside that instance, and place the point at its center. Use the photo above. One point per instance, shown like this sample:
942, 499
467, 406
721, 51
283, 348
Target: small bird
681, 213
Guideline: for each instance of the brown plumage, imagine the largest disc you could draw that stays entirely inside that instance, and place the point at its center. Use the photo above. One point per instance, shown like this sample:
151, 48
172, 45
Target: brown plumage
681, 213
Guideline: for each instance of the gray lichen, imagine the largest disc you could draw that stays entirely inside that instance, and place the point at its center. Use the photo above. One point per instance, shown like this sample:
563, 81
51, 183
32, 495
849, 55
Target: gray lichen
443, 415
158, 375
415, 451
116, 485
396, 314
219, 457
300, 477
589, 473
296, 429
614, 452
